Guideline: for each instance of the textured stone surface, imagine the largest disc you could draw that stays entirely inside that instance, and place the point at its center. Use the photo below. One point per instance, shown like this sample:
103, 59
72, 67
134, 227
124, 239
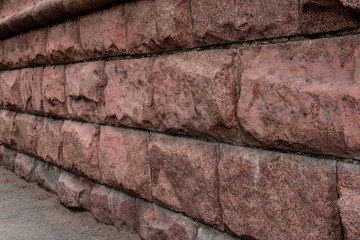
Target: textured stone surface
195, 93
53, 90
63, 43
129, 93
217, 22
157, 25
208, 233
302, 96
24, 166
25, 134
74, 191
46, 176
184, 176
157, 223
103, 33
30, 87
10, 7
349, 201
79, 149
113, 207
7, 120
354, 4
326, 16
10, 90
49, 139
85, 83
8, 159
267, 195
123, 160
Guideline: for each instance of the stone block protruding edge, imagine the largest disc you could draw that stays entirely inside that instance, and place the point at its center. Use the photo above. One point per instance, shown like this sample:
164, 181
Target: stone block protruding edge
45, 13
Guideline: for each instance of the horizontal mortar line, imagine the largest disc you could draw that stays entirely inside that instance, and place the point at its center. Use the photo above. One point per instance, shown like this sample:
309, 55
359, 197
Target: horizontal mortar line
192, 137
225, 46
37, 158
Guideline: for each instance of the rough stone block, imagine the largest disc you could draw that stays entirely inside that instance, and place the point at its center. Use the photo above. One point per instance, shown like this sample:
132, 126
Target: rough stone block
157, 25
10, 90
123, 160
25, 133
184, 176
36, 53
74, 191
8, 160
113, 207
63, 43
217, 22
351, 4
49, 139
2, 153
195, 93
46, 176
30, 87
24, 166
268, 195
326, 16
103, 33
158, 223
15, 50
53, 91
7, 120
85, 84
10, 7
79, 150
349, 201
302, 96
129, 94
207, 233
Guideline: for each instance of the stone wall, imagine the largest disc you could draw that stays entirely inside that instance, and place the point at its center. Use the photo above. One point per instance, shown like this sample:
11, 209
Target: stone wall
188, 119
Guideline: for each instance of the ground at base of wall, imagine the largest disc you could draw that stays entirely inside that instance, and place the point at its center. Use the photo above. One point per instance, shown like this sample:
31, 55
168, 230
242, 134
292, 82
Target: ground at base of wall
29, 212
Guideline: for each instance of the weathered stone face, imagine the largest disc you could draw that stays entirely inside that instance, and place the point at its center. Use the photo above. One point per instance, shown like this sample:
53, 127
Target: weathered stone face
195, 93
79, 149
10, 90
85, 84
184, 176
113, 207
25, 135
31, 89
63, 44
349, 201
110, 25
302, 96
217, 22
326, 16
157, 25
49, 139
53, 91
158, 223
267, 195
123, 160
129, 93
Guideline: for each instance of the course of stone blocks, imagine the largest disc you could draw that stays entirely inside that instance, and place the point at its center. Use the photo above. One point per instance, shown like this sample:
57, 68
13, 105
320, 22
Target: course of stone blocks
188, 119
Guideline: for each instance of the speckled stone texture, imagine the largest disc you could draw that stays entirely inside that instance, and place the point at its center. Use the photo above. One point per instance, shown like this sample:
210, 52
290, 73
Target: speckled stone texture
195, 93
349, 201
7, 120
74, 191
184, 176
113, 207
30, 87
326, 15
85, 83
24, 166
157, 25
268, 195
79, 150
302, 96
129, 93
123, 160
10, 90
25, 134
217, 22
158, 223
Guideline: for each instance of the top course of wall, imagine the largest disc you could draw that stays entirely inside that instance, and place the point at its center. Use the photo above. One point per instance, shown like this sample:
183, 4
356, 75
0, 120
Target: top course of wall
211, 22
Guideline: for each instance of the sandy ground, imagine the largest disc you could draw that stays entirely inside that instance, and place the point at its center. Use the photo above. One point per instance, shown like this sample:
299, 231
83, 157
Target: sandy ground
28, 212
